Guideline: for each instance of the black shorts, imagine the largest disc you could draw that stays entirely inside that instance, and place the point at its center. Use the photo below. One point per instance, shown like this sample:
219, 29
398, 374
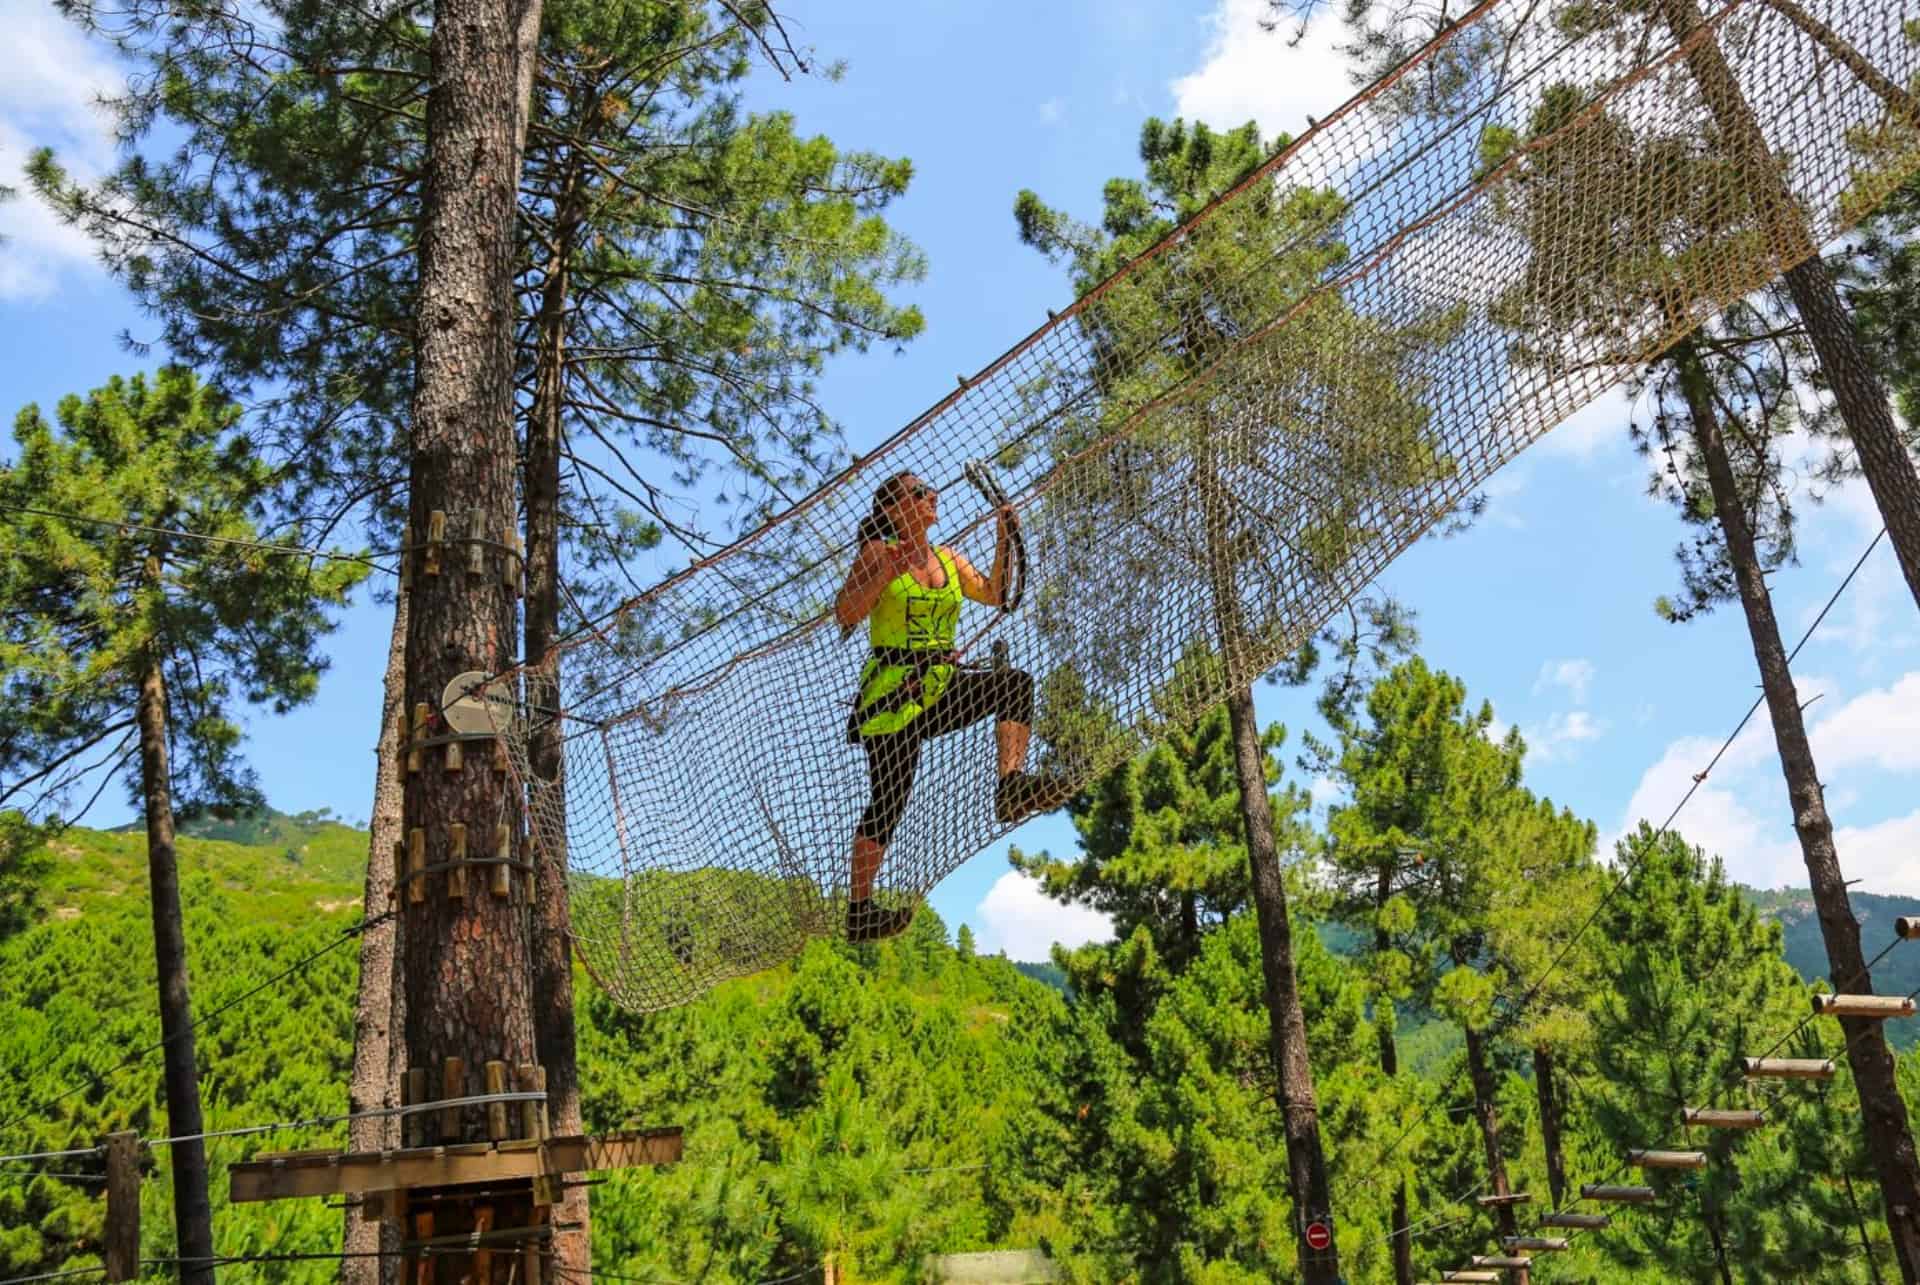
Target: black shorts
1006, 695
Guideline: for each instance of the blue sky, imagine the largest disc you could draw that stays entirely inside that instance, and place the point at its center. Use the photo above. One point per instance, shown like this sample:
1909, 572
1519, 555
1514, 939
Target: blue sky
1544, 607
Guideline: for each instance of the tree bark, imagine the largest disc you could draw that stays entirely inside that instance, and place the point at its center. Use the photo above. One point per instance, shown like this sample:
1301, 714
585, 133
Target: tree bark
1716, 1233
1487, 1115
192, 1214
466, 961
1857, 390
552, 945
1883, 1113
1402, 1239
1287, 1023
1543, 1068
377, 1015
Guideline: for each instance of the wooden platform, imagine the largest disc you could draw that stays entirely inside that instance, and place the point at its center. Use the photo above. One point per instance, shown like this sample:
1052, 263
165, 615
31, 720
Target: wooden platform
329, 1173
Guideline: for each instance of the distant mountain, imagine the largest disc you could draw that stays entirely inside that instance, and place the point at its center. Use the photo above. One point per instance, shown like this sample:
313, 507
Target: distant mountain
1806, 949
1045, 974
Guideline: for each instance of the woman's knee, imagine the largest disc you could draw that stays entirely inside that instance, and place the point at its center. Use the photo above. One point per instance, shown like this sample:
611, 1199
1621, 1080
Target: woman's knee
1016, 696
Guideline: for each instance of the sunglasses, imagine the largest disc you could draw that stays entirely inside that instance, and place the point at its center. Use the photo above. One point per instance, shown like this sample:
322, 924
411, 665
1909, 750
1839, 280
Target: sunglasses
921, 491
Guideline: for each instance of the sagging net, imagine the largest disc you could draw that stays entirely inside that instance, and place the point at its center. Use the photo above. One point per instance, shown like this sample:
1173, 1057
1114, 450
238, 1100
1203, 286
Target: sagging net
1211, 453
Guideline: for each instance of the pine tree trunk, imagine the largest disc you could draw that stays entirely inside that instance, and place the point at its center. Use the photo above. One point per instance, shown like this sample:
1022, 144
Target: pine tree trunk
375, 1019
466, 962
1884, 1114
1287, 1021
1543, 1069
1717, 1235
1299, 1107
552, 945
192, 1215
1857, 390
1402, 1239
1487, 1115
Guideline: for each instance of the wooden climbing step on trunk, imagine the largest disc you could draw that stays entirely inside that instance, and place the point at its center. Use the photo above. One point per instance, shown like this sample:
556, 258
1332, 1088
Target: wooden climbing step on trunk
1617, 1195
1787, 1068
1709, 1118
1667, 1159
1876, 1008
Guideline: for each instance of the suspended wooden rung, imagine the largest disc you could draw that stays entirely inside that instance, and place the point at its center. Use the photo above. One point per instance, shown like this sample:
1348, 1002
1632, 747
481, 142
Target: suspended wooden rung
1505, 1262
1618, 1195
1581, 1222
1708, 1118
1787, 1068
1483, 1278
1907, 927
1535, 1244
1497, 1202
1876, 1007
1668, 1159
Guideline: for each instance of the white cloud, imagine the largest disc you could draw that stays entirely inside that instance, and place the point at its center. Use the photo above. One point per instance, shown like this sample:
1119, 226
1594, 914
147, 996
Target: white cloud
1559, 736
1017, 917
1575, 675
1253, 74
1742, 813
49, 98
1053, 111
1880, 729
1595, 427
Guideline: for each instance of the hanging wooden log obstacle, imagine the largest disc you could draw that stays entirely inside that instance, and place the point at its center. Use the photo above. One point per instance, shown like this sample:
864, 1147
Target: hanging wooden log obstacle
1535, 1244
1617, 1195
1907, 927
1498, 1202
1482, 1278
1668, 1159
1581, 1222
1875, 1007
1708, 1118
1787, 1068
1505, 1262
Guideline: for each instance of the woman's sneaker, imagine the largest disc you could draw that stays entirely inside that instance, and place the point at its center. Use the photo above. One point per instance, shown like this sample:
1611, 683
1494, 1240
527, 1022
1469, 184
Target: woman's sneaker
868, 922
1024, 794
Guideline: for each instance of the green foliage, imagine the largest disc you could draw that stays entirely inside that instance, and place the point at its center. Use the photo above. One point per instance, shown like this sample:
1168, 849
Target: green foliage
708, 260
24, 861
1696, 981
91, 602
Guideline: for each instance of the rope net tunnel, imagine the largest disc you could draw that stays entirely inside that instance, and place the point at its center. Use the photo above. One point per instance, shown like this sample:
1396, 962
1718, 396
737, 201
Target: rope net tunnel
1210, 453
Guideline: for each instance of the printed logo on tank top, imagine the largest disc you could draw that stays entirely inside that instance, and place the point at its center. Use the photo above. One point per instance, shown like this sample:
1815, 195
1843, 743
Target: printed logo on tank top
931, 621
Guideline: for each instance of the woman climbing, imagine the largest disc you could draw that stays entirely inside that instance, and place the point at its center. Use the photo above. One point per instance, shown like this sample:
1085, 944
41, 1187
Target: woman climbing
912, 687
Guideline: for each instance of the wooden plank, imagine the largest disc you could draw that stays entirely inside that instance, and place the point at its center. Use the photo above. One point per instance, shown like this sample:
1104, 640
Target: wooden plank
1618, 1195
1581, 1222
1535, 1244
413, 1128
456, 875
476, 550
1511, 1198
496, 1081
527, 1078
416, 862
1668, 1159
453, 1084
436, 535
1787, 1068
415, 755
1876, 1008
1907, 927
122, 1250
356, 1173
1708, 1118
502, 851
1504, 1262
1479, 1278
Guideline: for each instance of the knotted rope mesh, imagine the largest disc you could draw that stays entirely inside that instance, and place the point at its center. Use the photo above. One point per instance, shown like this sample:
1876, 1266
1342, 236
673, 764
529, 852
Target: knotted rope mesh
1210, 453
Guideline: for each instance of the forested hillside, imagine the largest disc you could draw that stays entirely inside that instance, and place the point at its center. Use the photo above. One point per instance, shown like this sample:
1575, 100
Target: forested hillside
872, 1104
